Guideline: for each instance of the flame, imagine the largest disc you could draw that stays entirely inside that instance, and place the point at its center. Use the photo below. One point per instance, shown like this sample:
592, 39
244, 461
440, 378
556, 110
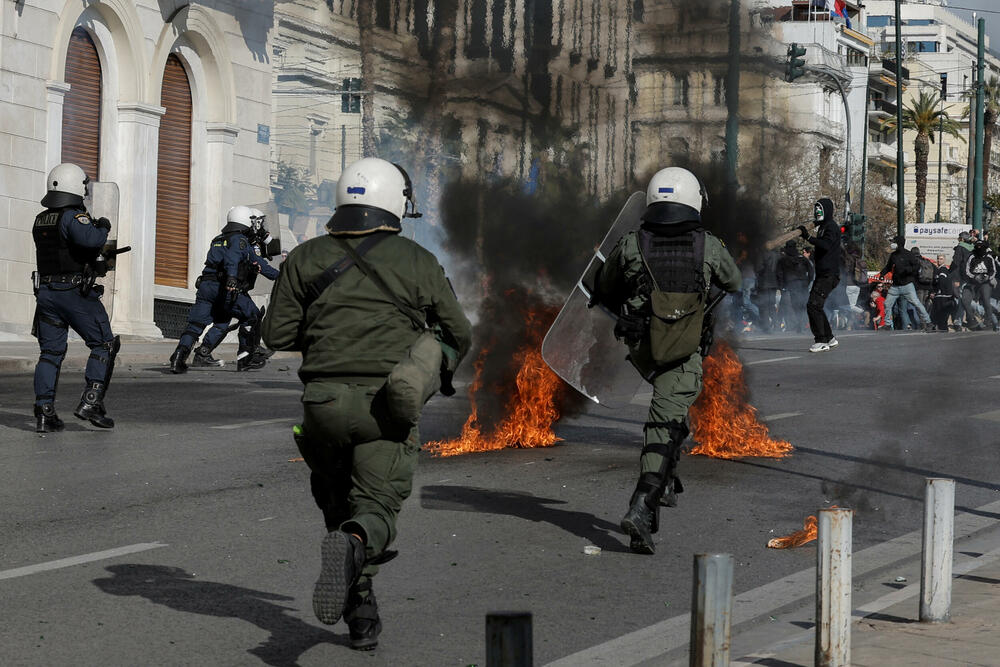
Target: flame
725, 424
530, 411
808, 533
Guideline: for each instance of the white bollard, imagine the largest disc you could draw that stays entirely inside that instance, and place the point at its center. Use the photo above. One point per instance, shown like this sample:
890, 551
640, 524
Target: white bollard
711, 610
936, 558
833, 588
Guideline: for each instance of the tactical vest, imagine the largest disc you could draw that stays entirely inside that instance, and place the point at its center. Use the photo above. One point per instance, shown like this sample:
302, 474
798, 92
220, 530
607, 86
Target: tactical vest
53, 252
675, 263
217, 269
676, 304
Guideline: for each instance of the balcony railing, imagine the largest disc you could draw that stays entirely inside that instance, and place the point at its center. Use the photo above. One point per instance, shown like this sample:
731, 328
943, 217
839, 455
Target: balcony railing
882, 107
890, 68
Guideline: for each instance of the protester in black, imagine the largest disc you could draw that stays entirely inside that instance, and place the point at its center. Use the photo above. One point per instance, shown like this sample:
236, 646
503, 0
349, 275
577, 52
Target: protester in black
827, 263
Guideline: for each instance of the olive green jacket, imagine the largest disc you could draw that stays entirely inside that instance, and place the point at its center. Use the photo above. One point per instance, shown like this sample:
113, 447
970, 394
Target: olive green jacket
352, 332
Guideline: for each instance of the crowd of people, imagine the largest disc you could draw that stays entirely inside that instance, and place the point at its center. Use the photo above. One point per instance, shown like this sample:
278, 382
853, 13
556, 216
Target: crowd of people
910, 292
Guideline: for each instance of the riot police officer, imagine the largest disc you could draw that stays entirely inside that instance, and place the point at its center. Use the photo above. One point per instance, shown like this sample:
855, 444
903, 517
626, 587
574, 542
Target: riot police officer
659, 278
231, 267
353, 322
68, 245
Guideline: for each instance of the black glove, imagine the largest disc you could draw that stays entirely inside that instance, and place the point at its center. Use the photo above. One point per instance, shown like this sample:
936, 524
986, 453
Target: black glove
631, 328
103, 223
232, 290
802, 230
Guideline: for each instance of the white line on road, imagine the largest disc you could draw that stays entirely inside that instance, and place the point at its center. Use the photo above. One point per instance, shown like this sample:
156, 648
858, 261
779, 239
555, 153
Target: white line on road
993, 416
262, 422
783, 415
78, 560
770, 361
674, 633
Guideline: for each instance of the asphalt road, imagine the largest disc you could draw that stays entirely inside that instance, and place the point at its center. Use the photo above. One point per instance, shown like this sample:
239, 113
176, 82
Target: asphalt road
197, 541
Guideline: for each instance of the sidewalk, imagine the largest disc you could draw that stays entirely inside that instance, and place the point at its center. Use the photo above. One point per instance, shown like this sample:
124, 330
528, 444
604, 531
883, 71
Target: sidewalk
891, 634
20, 356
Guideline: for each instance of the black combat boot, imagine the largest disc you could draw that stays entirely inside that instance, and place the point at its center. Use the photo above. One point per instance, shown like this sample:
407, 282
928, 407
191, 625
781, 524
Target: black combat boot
250, 362
343, 556
47, 419
178, 360
362, 618
638, 522
203, 357
91, 406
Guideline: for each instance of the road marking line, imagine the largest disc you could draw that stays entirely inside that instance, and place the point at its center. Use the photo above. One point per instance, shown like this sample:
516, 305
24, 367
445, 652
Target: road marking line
770, 361
275, 391
993, 416
783, 415
675, 633
262, 422
78, 560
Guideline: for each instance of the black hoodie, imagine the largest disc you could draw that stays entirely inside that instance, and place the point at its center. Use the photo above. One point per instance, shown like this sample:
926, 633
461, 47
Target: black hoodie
827, 242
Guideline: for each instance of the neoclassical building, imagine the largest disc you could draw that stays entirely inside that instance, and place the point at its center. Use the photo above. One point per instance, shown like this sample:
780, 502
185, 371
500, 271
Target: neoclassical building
170, 101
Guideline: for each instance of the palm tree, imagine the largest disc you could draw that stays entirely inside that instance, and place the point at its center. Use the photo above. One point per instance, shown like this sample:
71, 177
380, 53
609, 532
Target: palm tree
366, 47
925, 117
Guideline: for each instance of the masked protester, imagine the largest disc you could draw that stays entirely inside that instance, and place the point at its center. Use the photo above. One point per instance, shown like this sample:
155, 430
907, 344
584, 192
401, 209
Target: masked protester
658, 278
827, 263
357, 302
68, 243
231, 268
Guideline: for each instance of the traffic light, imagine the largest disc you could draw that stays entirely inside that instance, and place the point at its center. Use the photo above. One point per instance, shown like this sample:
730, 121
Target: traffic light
796, 64
856, 228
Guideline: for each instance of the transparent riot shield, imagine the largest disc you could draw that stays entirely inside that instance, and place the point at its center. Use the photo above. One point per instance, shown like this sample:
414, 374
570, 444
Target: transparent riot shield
274, 251
103, 203
580, 346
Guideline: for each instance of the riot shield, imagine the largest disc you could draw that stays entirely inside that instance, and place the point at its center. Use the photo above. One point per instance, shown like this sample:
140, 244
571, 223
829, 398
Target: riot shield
580, 346
273, 253
104, 204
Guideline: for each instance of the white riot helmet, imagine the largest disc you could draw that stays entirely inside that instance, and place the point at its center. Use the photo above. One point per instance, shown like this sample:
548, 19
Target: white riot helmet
240, 215
372, 194
66, 185
676, 186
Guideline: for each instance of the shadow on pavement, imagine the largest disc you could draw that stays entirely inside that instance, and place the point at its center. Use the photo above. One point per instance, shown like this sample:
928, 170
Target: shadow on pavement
175, 588
524, 506
26, 422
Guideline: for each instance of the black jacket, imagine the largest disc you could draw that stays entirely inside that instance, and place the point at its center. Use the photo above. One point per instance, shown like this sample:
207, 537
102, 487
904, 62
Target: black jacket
827, 242
903, 265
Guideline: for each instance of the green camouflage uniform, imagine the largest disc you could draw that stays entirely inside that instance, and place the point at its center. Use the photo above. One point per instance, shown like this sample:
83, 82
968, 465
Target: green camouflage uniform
675, 387
350, 337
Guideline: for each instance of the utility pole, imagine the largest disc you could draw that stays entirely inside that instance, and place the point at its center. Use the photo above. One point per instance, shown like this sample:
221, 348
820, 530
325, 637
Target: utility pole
864, 146
900, 166
971, 168
977, 195
733, 96
944, 93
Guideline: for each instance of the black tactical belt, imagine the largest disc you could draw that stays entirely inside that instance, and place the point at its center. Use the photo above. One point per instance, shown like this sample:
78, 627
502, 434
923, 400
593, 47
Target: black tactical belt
69, 278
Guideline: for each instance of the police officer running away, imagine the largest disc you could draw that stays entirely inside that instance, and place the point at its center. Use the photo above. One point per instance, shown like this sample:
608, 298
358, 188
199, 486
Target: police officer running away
68, 245
349, 302
231, 267
659, 279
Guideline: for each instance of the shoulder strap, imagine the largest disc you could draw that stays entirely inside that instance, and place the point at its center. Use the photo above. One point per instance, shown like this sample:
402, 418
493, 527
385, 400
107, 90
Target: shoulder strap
328, 277
415, 316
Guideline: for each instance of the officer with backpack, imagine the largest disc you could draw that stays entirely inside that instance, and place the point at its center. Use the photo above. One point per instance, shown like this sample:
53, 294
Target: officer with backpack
658, 278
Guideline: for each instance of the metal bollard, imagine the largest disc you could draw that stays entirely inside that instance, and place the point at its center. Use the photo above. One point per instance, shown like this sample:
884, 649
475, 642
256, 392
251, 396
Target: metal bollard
936, 558
833, 588
508, 639
711, 610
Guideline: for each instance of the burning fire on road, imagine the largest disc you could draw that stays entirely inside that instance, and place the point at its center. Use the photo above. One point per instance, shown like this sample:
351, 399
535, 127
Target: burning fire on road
798, 538
725, 425
531, 399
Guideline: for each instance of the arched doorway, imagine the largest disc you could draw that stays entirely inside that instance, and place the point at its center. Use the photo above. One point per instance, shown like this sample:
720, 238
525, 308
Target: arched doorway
173, 180
81, 124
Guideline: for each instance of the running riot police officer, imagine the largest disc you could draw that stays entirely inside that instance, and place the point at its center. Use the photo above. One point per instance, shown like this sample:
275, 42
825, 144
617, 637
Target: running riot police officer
68, 245
659, 279
356, 302
231, 267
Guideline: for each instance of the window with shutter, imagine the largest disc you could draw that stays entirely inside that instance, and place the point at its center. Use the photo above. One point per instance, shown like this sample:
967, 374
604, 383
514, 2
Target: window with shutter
81, 125
173, 177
